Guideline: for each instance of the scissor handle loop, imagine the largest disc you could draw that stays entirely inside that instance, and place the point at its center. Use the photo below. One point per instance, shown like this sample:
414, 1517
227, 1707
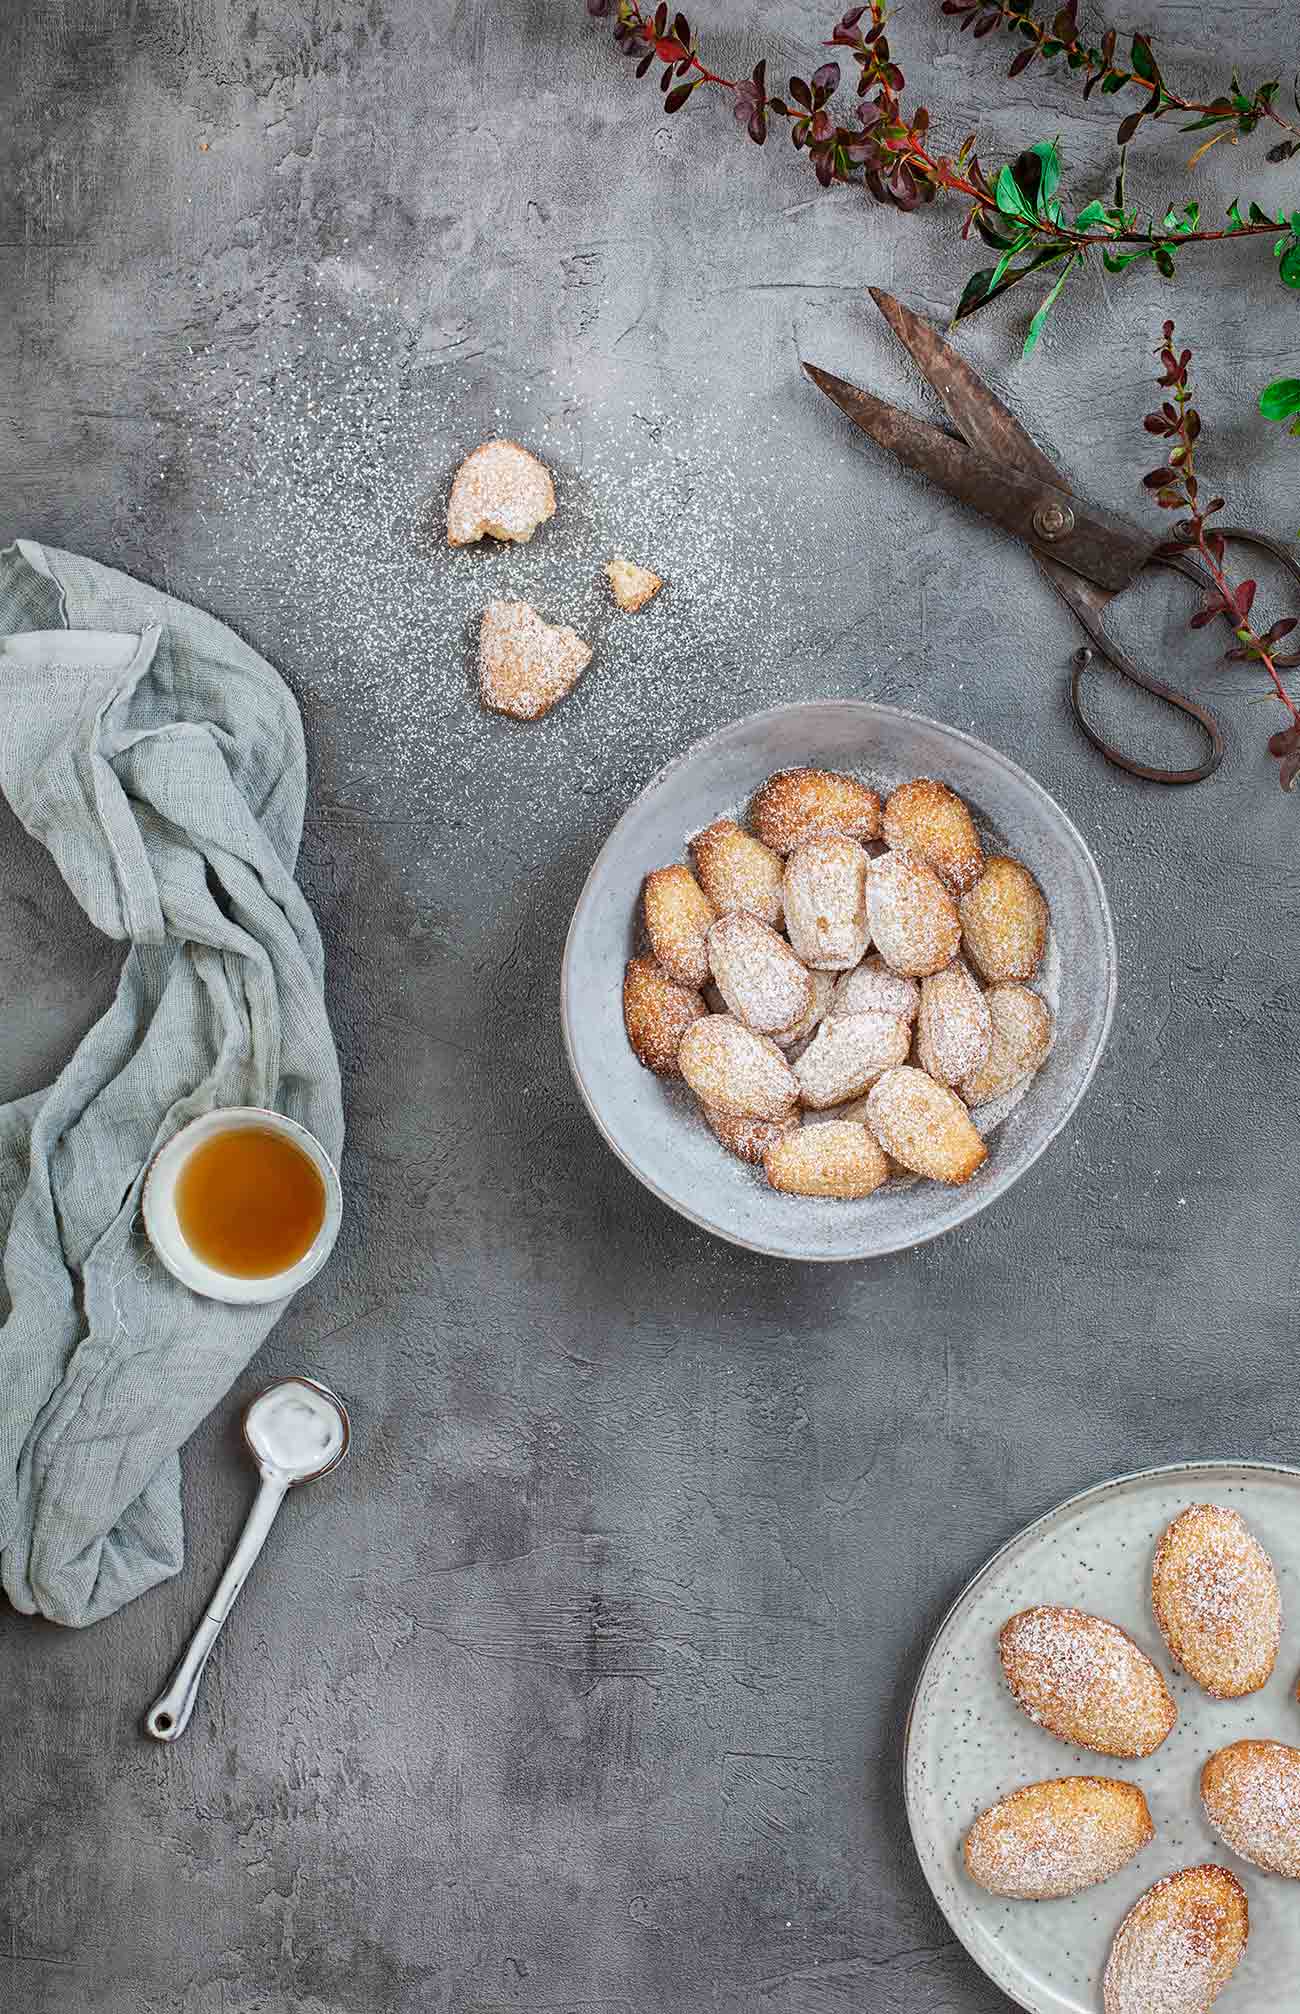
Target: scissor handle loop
1101, 647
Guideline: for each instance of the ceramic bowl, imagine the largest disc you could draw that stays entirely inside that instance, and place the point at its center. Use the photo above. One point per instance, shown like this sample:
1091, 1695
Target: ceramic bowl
163, 1225
654, 1126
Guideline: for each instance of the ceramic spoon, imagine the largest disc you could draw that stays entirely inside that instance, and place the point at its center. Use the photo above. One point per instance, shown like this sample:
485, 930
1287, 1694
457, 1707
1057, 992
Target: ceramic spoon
295, 1430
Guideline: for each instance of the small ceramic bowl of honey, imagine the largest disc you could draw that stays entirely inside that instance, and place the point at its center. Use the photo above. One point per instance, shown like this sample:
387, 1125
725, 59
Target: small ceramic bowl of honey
243, 1205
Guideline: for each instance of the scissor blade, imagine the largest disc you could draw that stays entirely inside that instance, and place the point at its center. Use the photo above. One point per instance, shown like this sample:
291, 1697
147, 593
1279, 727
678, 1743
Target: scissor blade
1087, 539
978, 412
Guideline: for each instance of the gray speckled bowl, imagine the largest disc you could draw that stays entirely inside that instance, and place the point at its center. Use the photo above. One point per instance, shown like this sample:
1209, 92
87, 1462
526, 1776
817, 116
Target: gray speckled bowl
655, 1127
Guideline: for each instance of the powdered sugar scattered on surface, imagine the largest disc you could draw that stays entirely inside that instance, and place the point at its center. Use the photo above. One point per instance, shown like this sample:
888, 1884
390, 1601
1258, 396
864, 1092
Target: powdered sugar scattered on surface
323, 463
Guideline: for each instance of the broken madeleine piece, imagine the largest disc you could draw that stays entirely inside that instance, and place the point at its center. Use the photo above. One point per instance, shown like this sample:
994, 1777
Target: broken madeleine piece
632, 586
526, 666
499, 491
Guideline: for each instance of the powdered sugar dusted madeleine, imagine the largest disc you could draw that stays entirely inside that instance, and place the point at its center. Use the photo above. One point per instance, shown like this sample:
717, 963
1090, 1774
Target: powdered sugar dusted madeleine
656, 1013
913, 917
757, 974
731, 1068
924, 1126
1216, 1600
954, 1030
738, 872
526, 665
847, 1055
799, 804
1020, 1035
746, 1137
838, 1159
823, 992
872, 988
930, 821
499, 491
1179, 1945
1086, 1681
1055, 1838
1251, 1795
1004, 921
677, 918
825, 902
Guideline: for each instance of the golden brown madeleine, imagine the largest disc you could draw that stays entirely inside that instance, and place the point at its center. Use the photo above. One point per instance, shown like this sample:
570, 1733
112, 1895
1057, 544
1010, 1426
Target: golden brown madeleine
746, 1137
1216, 1600
1054, 1838
738, 872
757, 974
1085, 1680
731, 1068
799, 804
1179, 1945
871, 988
1004, 922
847, 1055
823, 992
1020, 1036
677, 918
913, 917
927, 819
1251, 1795
499, 491
954, 1031
838, 1158
924, 1126
656, 1013
826, 902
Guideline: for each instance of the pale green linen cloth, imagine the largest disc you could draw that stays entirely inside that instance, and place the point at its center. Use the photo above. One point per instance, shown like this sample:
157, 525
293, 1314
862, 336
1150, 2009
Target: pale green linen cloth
161, 761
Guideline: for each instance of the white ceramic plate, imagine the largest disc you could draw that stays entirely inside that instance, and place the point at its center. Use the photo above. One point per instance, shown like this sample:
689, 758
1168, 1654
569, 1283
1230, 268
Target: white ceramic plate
967, 1743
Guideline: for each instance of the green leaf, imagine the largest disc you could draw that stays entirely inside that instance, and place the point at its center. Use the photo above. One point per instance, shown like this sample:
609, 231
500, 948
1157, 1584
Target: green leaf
1144, 63
975, 292
1091, 213
1049, 181
1011, 278
1235, 217
1114, 82
1258, 216
1036, 326
1009, 197
1006, 260
1289, 270
1280, 399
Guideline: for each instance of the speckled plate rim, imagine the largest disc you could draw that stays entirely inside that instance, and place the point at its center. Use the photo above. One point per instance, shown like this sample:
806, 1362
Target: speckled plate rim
1226, 1468
965, 1204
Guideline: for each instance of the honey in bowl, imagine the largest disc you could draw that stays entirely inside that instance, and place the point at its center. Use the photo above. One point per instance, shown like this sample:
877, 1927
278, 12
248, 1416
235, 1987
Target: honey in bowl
249, 1202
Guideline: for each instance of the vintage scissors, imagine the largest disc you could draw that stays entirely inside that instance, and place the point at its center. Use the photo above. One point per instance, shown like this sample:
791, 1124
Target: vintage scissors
1087, 553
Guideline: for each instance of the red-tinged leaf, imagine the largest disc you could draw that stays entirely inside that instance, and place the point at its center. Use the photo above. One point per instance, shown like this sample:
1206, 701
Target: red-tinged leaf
1279, 630
661, 17
1170, 500
1128, 127
826, 79
1215, 504
1290, 770
800, 93
1157, 478
669, 51
1244, 597
1022, 61
1286, 739
682, 30
677, 98
1214, 605
645, 63
986, 26
1154, 424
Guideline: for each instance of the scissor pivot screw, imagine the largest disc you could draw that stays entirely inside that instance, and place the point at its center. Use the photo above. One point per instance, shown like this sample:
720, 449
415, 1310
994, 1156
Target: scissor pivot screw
1053, 520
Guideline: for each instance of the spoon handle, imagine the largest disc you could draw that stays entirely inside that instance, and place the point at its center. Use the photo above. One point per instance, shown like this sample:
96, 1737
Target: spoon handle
169, 1716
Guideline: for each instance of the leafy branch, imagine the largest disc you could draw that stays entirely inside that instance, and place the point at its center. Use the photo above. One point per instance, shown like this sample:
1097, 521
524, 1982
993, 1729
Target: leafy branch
888, 150
1232, 115
1176, 488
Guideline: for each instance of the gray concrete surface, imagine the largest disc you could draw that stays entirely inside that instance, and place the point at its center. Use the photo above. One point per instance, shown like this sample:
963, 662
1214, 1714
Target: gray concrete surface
582, 1686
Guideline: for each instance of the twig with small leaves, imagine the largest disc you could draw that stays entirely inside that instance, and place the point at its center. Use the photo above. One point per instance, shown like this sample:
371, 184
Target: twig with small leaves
1230, 115
889, 151
1176, 488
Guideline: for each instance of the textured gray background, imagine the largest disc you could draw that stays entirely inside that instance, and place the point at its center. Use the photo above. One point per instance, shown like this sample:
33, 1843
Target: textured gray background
581, 1687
